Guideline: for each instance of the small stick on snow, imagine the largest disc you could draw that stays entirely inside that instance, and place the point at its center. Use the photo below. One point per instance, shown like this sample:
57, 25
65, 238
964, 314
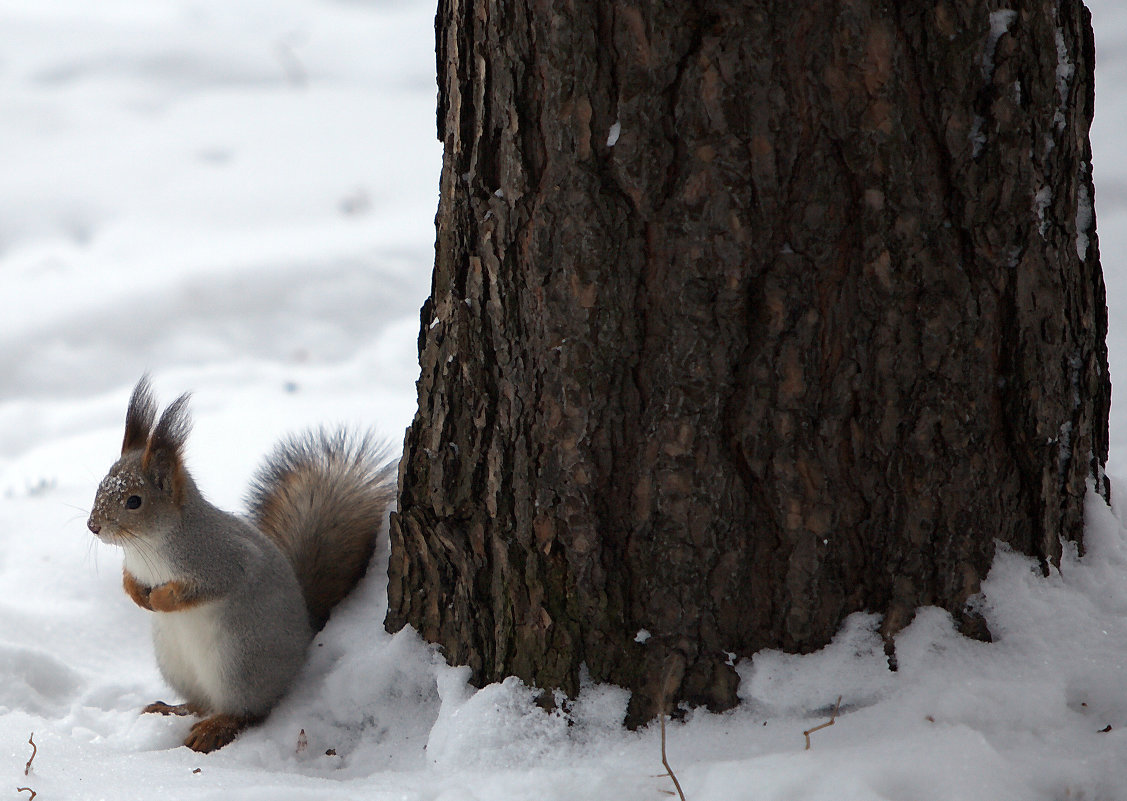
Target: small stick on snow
665, 760
28, 789
667, 690
825, 725
27, 767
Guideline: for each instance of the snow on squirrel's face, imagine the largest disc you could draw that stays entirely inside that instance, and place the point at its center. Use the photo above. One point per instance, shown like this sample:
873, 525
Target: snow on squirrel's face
131, 506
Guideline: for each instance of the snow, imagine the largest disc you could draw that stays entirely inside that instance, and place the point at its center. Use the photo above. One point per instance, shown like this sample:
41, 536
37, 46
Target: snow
1084, 216
1000, 22
614, 133
1065, 69
240, 198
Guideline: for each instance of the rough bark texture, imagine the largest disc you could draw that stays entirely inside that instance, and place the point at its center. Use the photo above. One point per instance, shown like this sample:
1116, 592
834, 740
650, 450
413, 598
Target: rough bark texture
745, 316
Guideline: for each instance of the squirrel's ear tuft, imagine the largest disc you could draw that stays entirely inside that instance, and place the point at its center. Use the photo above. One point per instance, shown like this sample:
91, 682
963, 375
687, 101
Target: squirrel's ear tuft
140, 417
163, 456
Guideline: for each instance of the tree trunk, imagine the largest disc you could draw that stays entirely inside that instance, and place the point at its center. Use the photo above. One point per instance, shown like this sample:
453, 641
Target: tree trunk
745, 316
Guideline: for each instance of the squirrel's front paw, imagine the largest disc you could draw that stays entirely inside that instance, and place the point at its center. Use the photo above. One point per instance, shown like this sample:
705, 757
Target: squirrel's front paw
172, 596
136, 590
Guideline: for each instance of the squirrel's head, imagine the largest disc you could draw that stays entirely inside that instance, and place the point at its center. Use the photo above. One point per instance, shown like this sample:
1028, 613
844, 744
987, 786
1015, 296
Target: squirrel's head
143, 493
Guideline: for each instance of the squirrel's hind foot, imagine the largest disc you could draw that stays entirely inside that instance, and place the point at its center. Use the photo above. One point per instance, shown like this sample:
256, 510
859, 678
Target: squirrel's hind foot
161, 708
211, 734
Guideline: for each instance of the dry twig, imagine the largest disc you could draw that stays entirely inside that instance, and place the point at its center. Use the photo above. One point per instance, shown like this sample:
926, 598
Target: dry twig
665, 760
676, 666
27, 767
34, 751
825, 725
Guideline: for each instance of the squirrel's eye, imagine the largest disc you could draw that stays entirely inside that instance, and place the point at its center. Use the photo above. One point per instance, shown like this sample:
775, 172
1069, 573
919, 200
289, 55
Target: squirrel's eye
133, 502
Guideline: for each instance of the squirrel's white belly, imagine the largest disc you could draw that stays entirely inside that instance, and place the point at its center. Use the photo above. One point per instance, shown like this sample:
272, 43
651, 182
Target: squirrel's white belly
191, 653
189, 645
147, 566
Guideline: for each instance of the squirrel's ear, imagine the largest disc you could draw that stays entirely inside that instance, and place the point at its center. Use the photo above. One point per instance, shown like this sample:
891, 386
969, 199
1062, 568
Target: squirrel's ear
139, 419
163, 457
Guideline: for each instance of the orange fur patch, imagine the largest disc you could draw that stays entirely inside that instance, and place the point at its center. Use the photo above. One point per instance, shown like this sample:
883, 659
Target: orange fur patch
135, 590
173, 596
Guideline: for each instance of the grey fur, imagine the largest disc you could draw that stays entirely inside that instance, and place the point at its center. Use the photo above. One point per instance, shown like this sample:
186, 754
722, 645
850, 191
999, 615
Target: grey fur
259, 622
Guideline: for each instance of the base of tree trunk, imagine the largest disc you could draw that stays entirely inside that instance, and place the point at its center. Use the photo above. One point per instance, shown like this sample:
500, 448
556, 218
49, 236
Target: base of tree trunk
745, 317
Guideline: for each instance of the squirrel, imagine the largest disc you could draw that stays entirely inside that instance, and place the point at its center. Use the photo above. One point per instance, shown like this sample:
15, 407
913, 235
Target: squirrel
236, 601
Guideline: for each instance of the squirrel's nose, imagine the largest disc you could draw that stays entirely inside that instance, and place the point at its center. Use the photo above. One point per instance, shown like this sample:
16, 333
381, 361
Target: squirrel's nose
94, 527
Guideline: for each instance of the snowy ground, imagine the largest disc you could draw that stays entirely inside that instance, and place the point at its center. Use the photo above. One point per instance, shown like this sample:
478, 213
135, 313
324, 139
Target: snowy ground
239, 196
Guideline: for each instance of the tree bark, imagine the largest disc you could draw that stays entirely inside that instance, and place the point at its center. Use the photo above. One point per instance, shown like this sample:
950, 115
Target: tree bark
745, 317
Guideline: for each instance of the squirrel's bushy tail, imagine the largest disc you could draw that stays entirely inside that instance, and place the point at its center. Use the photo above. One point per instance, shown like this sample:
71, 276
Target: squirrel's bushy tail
322, 497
